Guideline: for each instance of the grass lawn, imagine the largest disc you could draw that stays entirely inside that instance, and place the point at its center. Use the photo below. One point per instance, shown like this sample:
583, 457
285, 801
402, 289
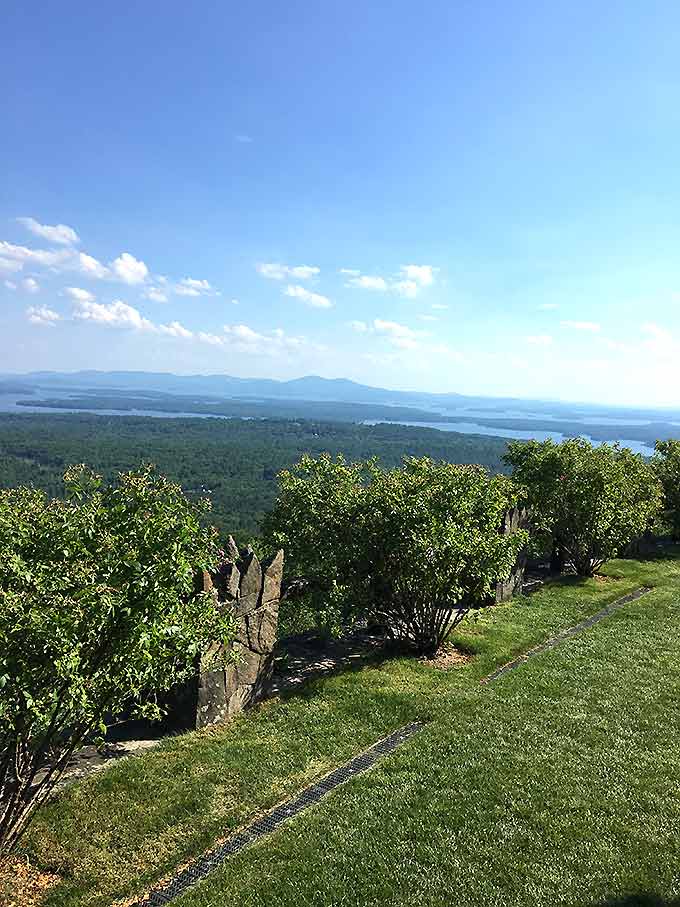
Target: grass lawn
558, 784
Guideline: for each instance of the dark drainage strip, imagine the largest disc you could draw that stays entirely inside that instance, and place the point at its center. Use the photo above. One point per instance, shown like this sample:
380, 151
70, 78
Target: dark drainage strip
210, 860
566, 634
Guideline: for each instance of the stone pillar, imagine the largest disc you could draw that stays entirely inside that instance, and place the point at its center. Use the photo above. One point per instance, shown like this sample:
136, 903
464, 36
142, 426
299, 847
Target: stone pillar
516, 518
253, 591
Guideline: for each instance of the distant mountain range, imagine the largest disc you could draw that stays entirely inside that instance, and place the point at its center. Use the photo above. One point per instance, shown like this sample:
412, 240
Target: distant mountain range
315, 388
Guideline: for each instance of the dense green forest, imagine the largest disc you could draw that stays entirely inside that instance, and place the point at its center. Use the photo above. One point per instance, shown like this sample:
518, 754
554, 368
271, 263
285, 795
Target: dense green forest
233, 462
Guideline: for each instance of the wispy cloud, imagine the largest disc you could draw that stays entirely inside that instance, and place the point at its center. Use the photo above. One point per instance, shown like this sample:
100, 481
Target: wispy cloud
368, 282
277, 271
540, 339
59, 233
315, 300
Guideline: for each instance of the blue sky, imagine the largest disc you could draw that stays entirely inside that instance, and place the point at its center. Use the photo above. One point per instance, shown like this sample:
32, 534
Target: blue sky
447, 196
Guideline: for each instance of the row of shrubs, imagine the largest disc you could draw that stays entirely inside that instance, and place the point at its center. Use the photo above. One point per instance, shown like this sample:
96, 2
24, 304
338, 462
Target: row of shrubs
416, 547
98, 604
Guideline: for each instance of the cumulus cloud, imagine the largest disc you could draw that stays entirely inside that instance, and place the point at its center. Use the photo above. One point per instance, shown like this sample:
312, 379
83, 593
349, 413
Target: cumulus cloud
276, 271
316, 300
129, 269
79, 295
10, 285
21, 256
439, 307
113, 314
59, 234
581, 325
90, 267
540, 339
548, 306
30, 285
359, 326
408, 283
42, 316
175, 329
421, 275
189, 286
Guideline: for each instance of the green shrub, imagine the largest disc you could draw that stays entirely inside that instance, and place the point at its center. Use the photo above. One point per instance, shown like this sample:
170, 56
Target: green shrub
590, 502
414, 547
666, 465
97, 607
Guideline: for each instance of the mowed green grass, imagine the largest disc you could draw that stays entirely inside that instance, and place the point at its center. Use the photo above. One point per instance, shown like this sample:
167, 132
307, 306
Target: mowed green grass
557, 784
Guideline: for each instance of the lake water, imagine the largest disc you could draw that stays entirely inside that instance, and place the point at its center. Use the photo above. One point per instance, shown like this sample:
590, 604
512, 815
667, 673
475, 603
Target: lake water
475, 428
9, 404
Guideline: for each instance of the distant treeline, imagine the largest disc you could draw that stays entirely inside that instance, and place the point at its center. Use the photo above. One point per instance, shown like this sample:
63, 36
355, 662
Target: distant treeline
567, 423
233, 462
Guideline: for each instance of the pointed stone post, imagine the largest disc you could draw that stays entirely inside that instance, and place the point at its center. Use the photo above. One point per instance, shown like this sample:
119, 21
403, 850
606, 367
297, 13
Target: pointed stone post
253, 591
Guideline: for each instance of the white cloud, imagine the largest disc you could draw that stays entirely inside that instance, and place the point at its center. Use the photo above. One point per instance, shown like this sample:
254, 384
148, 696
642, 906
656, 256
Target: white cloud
79, 295
59, 233
175, 329
42, 316
398, 334
407, 288
10, 285
90, 267
548, 306
581, 325
439, 307
113, 314
30, 285
409, 282
240, 338
155, 295
21, 256
359, 326
243, 139
10, 267
211, 339
275, 271
422, 275
540, 339
368, 282
129, 269
316, 300
428, 317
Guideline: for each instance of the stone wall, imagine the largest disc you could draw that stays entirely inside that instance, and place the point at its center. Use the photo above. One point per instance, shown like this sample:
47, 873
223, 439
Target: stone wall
252, 589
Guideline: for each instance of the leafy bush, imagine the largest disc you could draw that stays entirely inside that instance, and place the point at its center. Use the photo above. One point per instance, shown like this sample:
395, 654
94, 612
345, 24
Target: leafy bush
666, 465
414, 547
97, 608
590, 501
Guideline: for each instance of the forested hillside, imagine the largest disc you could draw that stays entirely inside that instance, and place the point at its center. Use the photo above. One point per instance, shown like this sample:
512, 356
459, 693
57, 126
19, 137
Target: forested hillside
233, 462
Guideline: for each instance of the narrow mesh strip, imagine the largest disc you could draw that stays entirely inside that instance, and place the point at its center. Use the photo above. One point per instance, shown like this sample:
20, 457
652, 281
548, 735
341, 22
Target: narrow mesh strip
566, 634
210, 860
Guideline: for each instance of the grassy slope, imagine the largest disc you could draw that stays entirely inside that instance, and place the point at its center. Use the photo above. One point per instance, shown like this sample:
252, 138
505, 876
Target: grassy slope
558, 784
